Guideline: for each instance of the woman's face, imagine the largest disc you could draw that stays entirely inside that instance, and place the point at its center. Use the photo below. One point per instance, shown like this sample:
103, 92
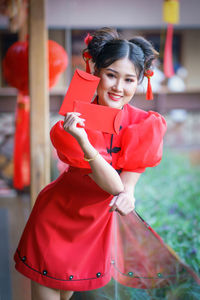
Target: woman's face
118, 83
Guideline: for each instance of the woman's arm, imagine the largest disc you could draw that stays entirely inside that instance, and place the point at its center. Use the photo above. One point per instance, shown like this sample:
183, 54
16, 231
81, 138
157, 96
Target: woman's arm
102, 172
124, 203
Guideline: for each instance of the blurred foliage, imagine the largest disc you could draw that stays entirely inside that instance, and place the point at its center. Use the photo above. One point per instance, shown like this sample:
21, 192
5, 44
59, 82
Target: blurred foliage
168, 199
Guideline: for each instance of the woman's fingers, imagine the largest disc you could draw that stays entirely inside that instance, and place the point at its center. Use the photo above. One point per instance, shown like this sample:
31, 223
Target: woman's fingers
74, 125
124, 210
122, 203
68, 123
113, 201
72, 119
71, 116
72, 113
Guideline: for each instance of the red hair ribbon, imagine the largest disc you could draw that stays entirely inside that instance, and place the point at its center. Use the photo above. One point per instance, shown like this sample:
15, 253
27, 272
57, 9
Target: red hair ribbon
87, 57
149, 94
86, 54
88, 39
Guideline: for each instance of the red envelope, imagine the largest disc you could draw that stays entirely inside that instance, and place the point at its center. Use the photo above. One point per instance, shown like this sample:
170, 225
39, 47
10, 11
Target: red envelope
78, 98
82, 87
99, 117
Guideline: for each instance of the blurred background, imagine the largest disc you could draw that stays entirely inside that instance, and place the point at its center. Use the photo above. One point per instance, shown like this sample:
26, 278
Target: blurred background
174, 213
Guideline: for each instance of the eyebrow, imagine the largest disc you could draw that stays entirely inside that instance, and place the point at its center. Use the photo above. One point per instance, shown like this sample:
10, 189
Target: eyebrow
129, 75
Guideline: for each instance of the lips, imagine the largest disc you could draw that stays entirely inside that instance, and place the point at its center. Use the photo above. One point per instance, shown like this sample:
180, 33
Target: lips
114, 97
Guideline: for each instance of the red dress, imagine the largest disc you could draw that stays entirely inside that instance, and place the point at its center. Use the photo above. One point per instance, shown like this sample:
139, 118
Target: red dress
68, 240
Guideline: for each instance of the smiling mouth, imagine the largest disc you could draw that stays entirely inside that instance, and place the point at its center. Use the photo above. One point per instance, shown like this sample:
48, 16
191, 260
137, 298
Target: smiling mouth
114, 97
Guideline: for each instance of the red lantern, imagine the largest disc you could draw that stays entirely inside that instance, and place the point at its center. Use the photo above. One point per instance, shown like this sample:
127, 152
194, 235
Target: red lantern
15, 64
15, 70
58, 61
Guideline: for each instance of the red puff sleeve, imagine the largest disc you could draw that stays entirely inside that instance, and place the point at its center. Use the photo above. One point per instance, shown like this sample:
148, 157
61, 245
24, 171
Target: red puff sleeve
68, 149
142, 144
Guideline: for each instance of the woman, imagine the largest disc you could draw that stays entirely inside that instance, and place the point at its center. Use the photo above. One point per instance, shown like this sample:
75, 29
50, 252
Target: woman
66, 244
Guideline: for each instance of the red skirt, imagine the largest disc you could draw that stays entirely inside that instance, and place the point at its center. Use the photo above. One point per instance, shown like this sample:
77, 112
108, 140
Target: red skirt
66, 242
72, 241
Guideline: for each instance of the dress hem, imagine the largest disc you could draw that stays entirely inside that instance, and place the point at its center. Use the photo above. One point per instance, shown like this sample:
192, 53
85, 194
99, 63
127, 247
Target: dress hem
68, 285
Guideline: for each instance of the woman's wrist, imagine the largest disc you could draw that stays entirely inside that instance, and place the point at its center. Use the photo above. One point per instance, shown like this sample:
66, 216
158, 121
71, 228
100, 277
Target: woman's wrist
91, 158
88, 150
129, 191
83, 141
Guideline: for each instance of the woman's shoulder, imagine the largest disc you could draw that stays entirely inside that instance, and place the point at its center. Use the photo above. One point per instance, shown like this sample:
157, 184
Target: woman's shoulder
139, 116
135, 114
141, 140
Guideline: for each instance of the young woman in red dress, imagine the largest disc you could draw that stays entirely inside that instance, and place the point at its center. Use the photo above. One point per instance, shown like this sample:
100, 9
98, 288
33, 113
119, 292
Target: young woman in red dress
66, 245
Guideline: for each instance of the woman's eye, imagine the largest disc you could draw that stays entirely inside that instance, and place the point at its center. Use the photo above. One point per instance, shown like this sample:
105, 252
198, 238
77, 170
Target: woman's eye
129, 80
111, 75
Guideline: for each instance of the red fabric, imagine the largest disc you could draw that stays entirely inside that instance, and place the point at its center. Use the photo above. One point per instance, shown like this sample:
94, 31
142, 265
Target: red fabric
69, 230
142, 141
140, 257
21, 177
87, 67
149, 93
69, 150
88, 39
71, 242
68, 233
168, 53
87, 57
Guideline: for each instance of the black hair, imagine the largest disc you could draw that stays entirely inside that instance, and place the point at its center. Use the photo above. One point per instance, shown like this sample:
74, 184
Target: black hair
106, 46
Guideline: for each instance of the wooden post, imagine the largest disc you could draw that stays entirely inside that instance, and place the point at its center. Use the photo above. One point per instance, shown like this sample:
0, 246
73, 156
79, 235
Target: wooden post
68, 47
38, 85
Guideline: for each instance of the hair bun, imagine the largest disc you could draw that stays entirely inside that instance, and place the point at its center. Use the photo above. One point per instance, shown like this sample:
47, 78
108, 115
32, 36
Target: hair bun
150, 54
99, 39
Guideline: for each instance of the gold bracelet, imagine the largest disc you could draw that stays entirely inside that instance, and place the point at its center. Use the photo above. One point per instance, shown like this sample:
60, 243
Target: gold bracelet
93, 158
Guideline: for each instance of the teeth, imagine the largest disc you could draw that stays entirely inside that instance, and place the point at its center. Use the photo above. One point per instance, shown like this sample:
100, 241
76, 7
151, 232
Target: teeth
116, 97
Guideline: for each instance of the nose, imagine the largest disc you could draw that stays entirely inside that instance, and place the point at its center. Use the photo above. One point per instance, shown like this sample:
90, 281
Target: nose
118, 86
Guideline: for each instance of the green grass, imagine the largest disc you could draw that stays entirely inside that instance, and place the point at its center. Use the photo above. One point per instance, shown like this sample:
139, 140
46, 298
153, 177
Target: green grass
168, 198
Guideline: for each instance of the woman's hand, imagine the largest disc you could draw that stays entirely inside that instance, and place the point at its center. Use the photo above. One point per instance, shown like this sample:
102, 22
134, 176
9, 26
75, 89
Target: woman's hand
102, 172
72, 119
123, 203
